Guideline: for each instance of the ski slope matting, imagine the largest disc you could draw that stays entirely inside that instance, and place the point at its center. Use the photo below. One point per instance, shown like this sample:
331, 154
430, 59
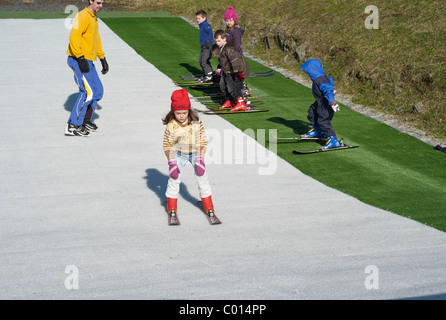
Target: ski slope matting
84, 217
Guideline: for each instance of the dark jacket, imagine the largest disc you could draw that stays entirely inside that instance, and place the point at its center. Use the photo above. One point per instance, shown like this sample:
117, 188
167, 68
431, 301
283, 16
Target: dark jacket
323, 85
206, 33
232, 61
235, 36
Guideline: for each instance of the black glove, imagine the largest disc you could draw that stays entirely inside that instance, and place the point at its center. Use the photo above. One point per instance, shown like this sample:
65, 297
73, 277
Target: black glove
83, 64
207, 45
104, 66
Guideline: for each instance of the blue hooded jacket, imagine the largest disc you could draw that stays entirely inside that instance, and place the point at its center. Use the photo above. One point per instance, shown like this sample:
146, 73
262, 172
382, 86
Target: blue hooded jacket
322, 84
313, 68
206, 33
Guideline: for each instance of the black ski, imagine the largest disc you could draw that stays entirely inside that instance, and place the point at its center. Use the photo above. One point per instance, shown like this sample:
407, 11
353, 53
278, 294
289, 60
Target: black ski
342, 147
300, 138
267, 75
228, 111
249, 103
219, 94
197, 76
206, 99
193, 84
225, 110
173, 218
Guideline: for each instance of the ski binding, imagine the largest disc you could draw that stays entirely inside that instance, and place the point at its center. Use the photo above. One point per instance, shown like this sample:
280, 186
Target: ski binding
212, 217
173, 218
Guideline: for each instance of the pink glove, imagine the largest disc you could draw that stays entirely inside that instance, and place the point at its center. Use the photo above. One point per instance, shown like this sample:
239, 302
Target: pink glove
174, 171
199, 165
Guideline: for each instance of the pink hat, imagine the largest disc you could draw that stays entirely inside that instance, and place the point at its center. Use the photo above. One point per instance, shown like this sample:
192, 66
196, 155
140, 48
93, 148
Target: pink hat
180, 100
231, 14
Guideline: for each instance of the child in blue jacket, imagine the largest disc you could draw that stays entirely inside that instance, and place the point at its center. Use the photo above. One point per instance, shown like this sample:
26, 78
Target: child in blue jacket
322, 110
206, 42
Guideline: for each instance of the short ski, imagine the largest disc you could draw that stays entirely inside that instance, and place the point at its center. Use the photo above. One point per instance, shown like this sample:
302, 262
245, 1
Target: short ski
266, 75
249, 103
300, 138
191, 82
226, 111
257, 95
212, 218
173, 219
197, 76
342, 147
205, 99
222, 110
197, 84
219, 94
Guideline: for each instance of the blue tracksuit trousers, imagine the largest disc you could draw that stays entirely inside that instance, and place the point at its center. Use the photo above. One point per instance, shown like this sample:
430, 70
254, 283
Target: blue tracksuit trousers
90, 91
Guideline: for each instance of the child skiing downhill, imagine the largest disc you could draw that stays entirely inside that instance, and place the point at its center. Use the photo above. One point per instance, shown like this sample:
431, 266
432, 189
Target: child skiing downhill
185, 141
322, 110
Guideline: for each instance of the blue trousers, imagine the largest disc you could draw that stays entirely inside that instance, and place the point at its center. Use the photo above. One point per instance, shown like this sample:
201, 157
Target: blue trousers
90, 91
320, 114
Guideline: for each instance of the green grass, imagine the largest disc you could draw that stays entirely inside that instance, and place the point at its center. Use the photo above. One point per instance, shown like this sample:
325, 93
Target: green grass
390, 170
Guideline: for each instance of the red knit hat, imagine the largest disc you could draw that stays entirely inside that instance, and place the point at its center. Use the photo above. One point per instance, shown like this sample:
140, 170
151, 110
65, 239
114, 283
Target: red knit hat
180, 100
231, 14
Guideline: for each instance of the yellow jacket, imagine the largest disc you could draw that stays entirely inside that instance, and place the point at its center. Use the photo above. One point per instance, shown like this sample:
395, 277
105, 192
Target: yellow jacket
84, 37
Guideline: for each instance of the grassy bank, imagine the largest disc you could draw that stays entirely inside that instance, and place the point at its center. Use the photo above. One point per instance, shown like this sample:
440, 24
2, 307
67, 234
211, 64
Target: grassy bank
397, 69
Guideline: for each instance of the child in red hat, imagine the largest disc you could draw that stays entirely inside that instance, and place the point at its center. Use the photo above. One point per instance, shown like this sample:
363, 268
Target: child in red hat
185, 141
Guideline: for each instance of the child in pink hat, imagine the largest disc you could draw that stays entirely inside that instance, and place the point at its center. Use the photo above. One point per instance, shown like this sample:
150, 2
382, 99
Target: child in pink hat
233, 31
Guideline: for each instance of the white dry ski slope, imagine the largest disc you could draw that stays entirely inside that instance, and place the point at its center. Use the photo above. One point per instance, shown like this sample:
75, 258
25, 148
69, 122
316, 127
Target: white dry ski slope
85, 217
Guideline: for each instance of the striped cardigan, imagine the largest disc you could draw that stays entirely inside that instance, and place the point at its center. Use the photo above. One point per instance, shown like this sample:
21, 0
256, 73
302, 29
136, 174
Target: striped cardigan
190, 138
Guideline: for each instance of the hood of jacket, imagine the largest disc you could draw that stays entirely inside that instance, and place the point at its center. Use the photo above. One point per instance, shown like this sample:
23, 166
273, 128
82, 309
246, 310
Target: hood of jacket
313, 68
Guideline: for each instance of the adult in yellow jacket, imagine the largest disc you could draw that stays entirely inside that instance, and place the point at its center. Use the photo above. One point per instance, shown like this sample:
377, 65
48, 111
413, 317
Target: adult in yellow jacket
84, 48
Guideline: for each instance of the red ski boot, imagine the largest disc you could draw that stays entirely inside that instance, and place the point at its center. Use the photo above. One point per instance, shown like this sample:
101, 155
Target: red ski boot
228, 104
209, 209
240, 105
172, 211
